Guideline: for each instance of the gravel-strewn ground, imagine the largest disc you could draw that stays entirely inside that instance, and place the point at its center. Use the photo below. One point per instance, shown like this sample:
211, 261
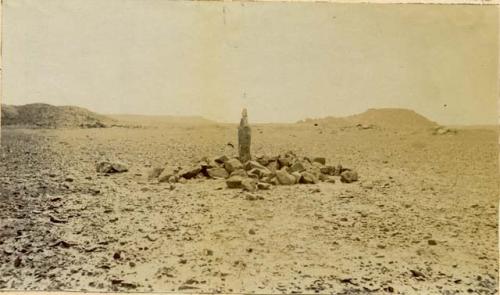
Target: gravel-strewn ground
421, 219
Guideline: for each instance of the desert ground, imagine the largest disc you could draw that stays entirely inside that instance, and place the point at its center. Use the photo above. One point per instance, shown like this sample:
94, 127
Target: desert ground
421, 219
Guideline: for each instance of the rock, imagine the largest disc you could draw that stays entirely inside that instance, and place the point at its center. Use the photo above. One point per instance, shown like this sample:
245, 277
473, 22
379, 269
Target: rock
251, 231
297, 176
328, 170
253, 164
320, 160
244, 138
167, 173
284, 177
297, 167
338, 170
191, 172
173, 179
217, 173
234, 181
239, 172
111, 167
249, 184
259, 173
273, 166
348, 176
263, 186
309, 178
18, 262
119, 167
432, 242
154, 173
263, 160
222, 159
232, 165
284, 161
330, 179
182, 180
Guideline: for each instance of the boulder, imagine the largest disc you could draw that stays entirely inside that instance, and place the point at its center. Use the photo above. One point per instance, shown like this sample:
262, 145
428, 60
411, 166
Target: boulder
320, 160
167, 172
349, 176
309, 178
284, 177
249, 184
232, 164
234, 181
217, 172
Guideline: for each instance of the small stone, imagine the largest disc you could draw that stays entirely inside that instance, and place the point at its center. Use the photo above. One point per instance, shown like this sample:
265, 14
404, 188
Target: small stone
263, 186
252, 164
167, 173
234, 181
154, 173
297, 176
320, 160
217, 173
263, 160
309, 178
285, 178
297, 167
131, 264
191, 172
208, 252
18, 262
251, 231
117, 255
232, 165
104, 167
249, 184
329, 170
349, 176
239, 172
273, 166
173, 179
222, 159
432, 242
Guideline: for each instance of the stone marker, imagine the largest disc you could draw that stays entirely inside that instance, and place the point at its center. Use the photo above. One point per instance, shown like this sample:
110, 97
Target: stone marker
244, 138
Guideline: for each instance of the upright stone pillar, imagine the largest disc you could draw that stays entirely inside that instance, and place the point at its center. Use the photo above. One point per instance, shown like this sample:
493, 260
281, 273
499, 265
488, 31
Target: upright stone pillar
244, 138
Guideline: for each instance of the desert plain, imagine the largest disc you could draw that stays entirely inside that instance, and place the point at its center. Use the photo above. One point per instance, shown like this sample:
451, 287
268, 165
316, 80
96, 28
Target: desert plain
421, 219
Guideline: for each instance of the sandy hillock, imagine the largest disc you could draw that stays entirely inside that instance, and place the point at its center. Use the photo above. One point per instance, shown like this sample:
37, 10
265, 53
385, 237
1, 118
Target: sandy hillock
387, 118
40, 115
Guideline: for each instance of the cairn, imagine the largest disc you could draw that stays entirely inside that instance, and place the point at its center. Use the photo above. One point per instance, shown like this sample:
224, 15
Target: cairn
244, 138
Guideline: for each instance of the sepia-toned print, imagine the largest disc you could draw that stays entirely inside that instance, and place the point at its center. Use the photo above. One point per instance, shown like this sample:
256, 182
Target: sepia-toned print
249, 147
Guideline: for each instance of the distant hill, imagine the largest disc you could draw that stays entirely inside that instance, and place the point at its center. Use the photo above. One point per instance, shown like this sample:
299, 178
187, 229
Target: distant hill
144, 120
386, 118
40, 115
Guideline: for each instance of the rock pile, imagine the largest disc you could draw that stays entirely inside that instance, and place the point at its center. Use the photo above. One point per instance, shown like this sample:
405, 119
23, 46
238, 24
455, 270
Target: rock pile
260, 173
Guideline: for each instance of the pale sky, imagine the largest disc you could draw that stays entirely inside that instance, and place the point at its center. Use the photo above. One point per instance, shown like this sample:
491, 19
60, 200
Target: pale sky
283, 61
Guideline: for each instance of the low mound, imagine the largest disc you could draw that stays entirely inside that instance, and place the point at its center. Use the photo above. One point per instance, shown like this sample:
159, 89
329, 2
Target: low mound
391, 118
39, 115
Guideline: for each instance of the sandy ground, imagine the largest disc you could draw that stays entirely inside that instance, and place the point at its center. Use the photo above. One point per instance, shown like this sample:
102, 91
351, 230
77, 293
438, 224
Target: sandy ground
421, 220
